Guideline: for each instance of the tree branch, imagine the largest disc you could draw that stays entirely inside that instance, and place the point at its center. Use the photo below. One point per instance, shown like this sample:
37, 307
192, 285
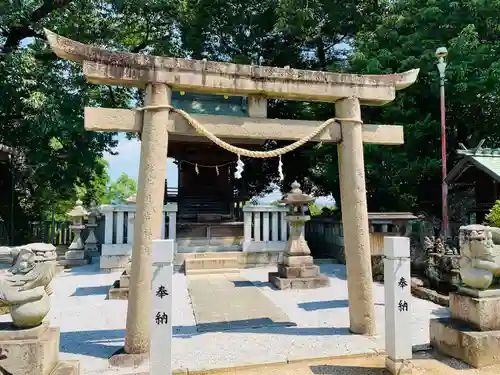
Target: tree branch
15, 34
144, 43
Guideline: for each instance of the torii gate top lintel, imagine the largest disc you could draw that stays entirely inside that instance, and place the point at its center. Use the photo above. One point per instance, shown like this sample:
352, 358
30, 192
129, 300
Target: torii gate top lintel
122, 68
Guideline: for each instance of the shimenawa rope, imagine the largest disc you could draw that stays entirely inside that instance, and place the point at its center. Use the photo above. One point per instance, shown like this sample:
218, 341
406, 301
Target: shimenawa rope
242, 151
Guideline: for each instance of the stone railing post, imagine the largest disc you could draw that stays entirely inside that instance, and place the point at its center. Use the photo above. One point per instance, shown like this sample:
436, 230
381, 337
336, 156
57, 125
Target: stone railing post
160, 358
267, 239
397, 280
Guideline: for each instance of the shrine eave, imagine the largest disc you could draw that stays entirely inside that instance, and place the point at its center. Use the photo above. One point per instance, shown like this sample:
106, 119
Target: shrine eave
123, 68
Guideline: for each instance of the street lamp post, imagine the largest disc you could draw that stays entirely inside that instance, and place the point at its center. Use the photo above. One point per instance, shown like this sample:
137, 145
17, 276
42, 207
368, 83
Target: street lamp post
441, 54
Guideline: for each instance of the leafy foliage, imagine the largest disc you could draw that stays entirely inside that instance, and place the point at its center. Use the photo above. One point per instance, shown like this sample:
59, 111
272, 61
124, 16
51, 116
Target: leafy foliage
42, 116
120, 190
493, 217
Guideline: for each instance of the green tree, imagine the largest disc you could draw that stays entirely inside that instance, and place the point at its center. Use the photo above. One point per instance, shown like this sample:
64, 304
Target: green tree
403, 35
120, 190
41, 115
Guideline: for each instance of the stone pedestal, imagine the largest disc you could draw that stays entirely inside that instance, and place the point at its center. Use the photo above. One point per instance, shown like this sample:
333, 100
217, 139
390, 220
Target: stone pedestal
91, 241
472, 333
298, 272
76, 258
120, 287
33, 351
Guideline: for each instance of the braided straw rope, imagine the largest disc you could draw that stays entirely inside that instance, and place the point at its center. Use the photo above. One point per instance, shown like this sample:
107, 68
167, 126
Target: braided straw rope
242, 151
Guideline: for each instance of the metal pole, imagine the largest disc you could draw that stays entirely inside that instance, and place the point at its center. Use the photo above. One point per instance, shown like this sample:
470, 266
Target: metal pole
441, 54
53, 231
444, 186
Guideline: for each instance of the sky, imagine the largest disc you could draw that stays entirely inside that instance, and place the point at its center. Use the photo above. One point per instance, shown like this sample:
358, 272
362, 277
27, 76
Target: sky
127, 161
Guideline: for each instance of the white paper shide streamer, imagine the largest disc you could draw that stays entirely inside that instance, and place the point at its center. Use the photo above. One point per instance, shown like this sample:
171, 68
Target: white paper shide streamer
280, 169
239, 168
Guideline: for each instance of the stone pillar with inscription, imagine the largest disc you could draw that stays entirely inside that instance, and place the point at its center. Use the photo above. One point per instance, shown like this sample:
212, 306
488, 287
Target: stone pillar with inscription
397, 276
160, 358
296, 270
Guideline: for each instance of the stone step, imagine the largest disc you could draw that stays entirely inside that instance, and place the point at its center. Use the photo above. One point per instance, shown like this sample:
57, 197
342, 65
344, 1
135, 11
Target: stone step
211, 263
66, 368
219, 255
211, 271
214, 241
209, 249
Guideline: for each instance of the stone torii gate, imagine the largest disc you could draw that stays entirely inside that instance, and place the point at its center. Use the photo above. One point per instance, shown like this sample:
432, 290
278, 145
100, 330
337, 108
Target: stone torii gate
158, 123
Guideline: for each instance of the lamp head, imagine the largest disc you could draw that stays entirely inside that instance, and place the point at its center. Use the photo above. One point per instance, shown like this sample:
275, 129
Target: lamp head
441, 52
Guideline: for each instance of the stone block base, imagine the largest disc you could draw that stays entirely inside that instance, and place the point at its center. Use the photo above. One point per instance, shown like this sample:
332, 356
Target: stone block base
117, 292
297, 260
124, 280
455, 339
288, 272
319, 281
75, 254
33, 351
398, 367
482, 314
122, 359
74, 262
66, 368
114, 262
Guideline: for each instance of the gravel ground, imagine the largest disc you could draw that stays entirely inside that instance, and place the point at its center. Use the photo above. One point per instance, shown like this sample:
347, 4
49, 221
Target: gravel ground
92, 328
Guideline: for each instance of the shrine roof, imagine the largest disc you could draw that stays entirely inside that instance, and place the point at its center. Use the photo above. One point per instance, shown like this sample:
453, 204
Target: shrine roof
484, 159
102, 66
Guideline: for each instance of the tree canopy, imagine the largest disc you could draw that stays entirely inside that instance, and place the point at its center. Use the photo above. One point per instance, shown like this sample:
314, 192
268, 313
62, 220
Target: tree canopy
42, 111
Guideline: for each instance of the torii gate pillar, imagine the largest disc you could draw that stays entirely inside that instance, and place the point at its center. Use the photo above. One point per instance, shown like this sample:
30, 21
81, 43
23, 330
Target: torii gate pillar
355, 218
152, 175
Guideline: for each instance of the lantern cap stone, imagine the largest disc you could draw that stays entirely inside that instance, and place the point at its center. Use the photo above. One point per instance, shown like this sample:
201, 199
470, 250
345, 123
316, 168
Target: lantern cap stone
132, 199
78, 210
296, 196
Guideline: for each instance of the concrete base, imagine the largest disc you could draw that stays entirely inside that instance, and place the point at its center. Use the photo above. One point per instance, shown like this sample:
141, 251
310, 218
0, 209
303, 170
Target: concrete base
33, 351
482, 314
398, 367
319, 281
456, 339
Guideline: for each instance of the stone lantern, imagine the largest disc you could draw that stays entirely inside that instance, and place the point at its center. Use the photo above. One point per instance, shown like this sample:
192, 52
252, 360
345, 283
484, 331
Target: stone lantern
297, 270
93, 215
76, 250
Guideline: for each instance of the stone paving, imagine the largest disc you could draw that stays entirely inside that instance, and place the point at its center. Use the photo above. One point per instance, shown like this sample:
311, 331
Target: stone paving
93, 328
426, 364
229, 301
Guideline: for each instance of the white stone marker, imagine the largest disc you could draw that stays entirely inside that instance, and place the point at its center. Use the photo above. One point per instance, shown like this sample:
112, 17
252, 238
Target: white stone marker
397, 286
160, 355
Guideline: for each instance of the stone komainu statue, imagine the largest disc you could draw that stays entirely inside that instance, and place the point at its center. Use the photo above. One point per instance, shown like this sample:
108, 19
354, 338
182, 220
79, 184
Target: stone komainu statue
25, 289
480, 260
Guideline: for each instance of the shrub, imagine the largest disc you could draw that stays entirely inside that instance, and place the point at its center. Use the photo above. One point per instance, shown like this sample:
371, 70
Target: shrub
493, 218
